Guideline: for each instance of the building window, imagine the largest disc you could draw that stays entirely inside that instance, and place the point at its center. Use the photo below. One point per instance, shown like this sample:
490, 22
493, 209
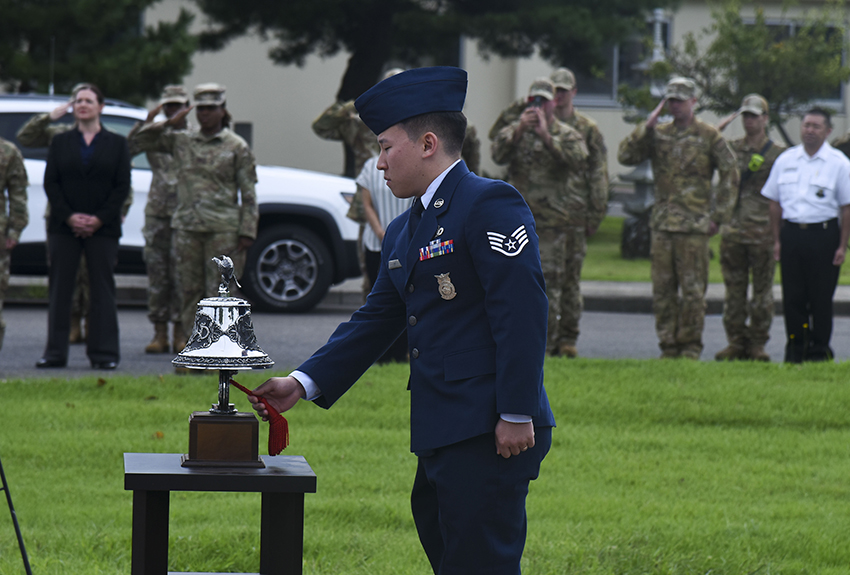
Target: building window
626, 63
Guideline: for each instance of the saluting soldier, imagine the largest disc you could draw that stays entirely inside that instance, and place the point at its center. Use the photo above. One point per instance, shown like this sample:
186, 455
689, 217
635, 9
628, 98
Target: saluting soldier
747, 242
163, 298
546, 161
216, 211
685, 154
13, 215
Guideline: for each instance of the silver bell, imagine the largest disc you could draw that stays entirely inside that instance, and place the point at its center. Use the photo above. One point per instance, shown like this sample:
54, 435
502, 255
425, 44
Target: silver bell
223, 335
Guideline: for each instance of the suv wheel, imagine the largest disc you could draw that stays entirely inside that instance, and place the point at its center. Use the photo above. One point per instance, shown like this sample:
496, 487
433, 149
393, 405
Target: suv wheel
288, 269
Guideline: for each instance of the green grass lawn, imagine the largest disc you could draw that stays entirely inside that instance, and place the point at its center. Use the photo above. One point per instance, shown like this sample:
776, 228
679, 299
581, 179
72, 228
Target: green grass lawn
603, 261
656, 468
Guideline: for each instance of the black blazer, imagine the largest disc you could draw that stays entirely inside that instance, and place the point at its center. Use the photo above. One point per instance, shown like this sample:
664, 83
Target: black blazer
99, 190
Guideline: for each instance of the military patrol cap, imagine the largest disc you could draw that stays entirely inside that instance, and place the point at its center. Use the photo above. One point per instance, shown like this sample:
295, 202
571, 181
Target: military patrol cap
412, 93
542, 87
209, 95
563, 78
754, 104
680, 88
174, 95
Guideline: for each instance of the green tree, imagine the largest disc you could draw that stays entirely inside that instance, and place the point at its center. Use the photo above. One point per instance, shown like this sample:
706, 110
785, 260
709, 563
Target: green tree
99, 41
791, 62
376, 33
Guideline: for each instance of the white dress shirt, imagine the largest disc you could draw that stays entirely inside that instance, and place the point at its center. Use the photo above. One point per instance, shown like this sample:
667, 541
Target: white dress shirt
810, 189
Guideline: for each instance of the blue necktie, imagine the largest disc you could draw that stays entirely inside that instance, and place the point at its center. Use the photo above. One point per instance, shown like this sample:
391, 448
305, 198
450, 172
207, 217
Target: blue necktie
415, 216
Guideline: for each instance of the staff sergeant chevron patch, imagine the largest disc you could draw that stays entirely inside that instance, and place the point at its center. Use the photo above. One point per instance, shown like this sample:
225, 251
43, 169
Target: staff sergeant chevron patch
510, 246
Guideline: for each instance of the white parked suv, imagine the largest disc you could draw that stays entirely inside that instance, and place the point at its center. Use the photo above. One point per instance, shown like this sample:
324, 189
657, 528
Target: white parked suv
304, 242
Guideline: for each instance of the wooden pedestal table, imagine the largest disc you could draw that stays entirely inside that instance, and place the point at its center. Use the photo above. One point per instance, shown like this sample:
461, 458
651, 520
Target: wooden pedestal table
283, 482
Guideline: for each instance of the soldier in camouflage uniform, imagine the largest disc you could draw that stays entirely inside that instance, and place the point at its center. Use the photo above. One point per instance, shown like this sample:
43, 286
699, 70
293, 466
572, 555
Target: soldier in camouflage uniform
597, 160
13, 216
38, 132
685, 153
163, 299
340, 122
546, 161
216, 169
747, 242
594, 187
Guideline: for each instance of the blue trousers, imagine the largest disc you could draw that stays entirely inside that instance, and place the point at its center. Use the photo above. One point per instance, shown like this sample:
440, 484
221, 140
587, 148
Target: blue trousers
469, 505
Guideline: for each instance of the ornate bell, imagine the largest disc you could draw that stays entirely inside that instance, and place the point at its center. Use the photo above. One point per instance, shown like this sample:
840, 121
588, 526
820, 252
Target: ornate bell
223, 337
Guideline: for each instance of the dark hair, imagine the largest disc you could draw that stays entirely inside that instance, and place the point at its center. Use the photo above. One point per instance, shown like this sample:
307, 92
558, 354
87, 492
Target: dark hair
450, 128
818, 111
85, 86
225, 121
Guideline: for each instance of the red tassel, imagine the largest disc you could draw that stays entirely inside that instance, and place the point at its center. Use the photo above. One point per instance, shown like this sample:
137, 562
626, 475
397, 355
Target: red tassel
278, 426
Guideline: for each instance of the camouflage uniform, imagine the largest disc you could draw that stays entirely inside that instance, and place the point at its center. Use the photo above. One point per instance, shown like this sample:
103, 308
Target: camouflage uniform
552, 184
340, 122
208, 219
13, 216
683, 162
747, 246
471, 151
38, 132
594, 189
163, 300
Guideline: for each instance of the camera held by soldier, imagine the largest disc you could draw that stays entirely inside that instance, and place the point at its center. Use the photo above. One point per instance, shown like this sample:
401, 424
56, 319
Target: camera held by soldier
536, 102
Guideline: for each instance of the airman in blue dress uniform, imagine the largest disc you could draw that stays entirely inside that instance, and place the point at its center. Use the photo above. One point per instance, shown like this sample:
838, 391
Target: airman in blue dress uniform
461, 271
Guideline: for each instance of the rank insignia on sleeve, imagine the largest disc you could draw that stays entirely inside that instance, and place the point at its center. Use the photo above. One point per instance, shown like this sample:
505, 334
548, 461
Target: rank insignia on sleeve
510, 245
445, 286
436, 248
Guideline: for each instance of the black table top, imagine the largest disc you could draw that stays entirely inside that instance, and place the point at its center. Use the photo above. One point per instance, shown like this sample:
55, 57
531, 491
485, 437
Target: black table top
163, 472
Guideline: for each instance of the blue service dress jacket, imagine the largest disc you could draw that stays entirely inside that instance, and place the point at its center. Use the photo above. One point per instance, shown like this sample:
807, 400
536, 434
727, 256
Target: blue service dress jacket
469, 288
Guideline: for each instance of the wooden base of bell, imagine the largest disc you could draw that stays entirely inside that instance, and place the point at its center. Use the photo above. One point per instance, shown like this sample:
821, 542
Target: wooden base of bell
217, 440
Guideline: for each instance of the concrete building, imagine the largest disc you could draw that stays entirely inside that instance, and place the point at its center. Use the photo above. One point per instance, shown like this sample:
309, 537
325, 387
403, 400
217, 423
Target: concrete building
277, 104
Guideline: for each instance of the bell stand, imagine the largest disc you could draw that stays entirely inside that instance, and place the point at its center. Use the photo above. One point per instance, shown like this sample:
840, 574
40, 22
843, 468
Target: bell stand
5, 487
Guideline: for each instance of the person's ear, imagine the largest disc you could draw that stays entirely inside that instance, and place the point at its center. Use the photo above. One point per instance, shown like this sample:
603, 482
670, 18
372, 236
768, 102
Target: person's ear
430, 143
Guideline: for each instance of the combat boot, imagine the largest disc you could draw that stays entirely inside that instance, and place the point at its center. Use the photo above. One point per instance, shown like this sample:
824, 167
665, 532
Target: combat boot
669, 353
757, 353
179, 338
690, 354
567, 350
731, 353
76, 334
159, 343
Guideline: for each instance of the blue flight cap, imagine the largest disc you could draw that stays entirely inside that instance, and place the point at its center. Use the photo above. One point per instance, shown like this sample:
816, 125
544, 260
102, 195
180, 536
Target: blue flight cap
411, 93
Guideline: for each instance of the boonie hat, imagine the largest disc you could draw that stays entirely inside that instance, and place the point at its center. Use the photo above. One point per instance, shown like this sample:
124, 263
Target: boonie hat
542, 87
754, 104
412, 93
563, 78
209, 95
680, 88
174, 95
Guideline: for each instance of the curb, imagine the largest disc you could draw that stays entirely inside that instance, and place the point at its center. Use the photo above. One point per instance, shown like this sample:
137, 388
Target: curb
616, 297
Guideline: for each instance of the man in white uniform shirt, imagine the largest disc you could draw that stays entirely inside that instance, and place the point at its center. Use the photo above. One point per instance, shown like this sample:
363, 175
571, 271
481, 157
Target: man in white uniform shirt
808, 189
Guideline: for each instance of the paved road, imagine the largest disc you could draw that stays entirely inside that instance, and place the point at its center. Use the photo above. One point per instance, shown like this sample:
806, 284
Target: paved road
289, 339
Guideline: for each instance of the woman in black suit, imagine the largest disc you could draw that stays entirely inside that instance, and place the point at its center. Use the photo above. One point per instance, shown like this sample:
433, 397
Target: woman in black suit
87, 179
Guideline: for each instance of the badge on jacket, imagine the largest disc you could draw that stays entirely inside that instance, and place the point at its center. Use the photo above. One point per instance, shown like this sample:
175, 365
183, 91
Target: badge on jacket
445, 286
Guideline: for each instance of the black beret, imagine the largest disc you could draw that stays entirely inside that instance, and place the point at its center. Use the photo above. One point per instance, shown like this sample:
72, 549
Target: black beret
411, 93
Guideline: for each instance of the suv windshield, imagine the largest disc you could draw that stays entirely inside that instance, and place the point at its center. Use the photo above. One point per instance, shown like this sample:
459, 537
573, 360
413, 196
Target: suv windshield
10, 123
